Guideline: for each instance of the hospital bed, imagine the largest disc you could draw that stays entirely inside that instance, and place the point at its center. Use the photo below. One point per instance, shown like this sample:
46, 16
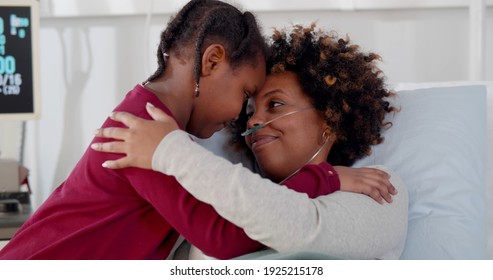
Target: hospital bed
440, 145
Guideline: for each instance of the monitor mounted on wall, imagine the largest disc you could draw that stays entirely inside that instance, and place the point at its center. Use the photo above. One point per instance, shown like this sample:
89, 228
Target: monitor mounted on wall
19, 60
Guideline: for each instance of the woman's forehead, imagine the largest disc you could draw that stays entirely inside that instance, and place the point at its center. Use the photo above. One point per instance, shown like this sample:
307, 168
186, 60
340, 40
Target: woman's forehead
285, 83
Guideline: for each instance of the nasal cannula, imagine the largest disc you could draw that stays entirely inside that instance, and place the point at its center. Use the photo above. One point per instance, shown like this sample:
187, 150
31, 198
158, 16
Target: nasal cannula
259, 126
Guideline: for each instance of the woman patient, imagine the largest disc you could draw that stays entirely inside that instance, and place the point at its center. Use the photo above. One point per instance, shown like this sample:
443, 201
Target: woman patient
324, 103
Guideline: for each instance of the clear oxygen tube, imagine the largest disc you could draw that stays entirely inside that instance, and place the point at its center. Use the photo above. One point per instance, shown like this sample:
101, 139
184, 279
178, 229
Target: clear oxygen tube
260, 126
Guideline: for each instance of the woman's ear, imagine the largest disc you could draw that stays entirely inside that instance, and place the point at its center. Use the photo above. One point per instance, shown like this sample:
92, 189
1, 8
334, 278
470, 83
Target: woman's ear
328, 135
212, 57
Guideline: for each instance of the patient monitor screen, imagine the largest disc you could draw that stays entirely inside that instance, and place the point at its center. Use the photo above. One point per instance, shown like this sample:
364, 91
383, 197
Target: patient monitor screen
16, 60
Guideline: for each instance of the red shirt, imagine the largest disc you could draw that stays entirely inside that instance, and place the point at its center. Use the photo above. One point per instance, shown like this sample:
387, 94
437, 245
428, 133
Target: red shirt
98, 213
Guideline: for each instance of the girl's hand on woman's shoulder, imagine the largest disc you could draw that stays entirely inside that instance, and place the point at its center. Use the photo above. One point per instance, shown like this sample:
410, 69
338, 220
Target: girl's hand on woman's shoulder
138, 142
370, 181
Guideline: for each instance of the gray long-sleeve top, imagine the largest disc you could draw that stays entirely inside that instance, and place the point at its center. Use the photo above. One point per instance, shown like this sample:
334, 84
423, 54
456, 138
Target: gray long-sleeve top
342, 224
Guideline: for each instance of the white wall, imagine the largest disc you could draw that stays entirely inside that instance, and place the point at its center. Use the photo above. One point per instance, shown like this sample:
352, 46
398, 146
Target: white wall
88, 63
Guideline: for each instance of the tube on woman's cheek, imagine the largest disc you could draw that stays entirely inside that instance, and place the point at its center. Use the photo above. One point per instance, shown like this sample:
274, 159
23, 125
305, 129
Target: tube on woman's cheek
259, 126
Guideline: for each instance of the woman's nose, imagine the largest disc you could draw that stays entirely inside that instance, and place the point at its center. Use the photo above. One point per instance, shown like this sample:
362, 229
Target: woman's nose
253, 121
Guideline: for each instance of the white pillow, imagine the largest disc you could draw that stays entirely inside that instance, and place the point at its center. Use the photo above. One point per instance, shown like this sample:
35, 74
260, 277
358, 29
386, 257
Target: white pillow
437, 144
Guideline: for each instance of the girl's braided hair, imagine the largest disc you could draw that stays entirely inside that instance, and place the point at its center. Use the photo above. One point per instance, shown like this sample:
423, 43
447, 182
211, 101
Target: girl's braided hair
344, 84
203, 22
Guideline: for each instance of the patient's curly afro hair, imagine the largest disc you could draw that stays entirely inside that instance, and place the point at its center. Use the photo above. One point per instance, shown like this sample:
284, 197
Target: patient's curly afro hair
343, 83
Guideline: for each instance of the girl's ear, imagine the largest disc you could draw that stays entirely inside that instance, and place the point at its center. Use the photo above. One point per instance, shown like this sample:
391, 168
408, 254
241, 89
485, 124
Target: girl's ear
213, 55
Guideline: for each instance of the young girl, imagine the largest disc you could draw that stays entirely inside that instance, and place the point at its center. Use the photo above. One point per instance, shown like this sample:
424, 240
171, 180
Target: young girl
323, 101
211, 58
